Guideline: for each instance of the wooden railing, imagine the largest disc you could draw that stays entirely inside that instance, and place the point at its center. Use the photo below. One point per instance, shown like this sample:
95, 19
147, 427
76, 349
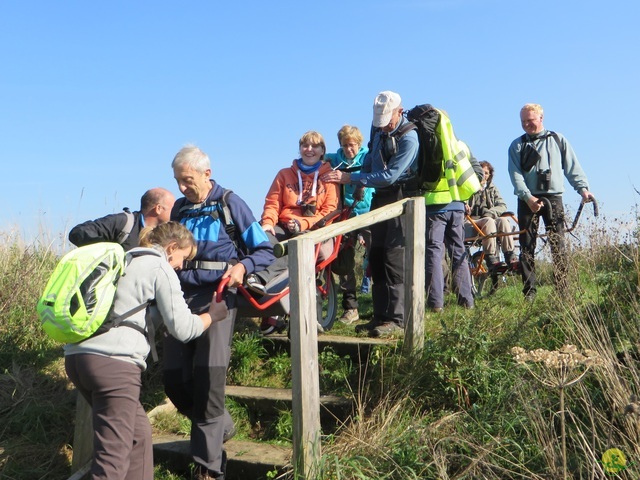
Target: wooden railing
303, 317
304, 347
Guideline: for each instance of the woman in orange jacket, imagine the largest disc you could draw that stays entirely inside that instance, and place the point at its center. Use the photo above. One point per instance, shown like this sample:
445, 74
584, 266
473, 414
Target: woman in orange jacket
298, 199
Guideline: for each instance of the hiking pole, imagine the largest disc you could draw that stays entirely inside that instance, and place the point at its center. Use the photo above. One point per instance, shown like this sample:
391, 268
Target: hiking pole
577, 217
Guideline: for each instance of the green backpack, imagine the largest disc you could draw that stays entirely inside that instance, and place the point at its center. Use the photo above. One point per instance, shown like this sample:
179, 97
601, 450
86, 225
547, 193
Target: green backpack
79, 294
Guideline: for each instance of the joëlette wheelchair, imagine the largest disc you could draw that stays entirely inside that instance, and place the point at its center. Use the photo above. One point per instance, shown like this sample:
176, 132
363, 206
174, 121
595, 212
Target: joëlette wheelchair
473, 245
276, 302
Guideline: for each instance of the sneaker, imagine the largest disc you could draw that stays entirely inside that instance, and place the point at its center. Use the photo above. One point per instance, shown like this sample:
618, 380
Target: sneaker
386, 329
436, 309
367, 327
271, 325
349, 316
254, 284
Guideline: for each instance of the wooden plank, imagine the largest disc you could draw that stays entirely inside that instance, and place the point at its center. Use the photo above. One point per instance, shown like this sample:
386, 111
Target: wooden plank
415, 223
374, 216
245, 459
82, 435
304, 359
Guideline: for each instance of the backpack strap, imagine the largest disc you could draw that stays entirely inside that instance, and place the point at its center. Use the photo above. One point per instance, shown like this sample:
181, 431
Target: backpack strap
563, 150
128, 226
550, 133
204, 265
121, 320
227, 218
404, 129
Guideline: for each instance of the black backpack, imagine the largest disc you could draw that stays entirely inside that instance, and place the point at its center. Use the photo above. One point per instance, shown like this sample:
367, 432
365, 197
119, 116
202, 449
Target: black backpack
429, 166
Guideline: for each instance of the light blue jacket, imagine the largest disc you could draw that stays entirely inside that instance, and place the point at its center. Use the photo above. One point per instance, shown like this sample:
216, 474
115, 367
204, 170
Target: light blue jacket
378, 172
525, 184
339, 162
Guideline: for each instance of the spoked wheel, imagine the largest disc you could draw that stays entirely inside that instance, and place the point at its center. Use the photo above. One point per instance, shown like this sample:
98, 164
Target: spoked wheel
327, 299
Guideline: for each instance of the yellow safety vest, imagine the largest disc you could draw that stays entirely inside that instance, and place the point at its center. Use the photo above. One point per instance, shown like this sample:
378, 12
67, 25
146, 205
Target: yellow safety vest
459, 181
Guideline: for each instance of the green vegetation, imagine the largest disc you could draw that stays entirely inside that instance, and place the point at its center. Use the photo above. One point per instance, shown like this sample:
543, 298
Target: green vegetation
467, 406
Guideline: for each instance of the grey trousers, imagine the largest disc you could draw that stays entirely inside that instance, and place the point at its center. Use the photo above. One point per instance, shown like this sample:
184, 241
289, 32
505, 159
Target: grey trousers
122, 444
194, 379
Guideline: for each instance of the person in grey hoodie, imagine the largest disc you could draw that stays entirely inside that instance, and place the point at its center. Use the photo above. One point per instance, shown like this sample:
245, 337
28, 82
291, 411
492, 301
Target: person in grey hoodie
107, 368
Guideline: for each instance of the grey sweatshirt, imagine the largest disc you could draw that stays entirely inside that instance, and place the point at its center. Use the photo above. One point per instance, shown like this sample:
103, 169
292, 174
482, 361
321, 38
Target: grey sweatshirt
147, 277
525, 183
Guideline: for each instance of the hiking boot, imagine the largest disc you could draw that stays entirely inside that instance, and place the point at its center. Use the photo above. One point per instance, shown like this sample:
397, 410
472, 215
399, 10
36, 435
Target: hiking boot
255, 285
367, 327
436, 309
386, 329
510, 257
202, 473
349, 316
271, 325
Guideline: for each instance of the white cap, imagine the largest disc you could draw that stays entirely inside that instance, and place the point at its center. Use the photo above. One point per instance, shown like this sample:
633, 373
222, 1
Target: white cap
383, 106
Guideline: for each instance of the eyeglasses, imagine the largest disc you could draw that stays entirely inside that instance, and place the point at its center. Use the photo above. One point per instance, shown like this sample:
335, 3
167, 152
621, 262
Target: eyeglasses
350, 145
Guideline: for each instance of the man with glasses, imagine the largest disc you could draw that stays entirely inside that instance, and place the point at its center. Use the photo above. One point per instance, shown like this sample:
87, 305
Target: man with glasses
538, 162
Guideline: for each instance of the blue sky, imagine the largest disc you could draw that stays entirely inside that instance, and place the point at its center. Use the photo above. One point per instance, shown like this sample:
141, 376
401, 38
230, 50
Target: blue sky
97, 97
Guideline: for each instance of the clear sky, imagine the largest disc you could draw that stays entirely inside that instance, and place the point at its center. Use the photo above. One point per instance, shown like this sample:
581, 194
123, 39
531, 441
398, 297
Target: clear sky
97, 97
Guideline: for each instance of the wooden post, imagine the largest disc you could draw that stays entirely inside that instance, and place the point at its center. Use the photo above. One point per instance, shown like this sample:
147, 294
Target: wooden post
82, 435
304, 360
414, 292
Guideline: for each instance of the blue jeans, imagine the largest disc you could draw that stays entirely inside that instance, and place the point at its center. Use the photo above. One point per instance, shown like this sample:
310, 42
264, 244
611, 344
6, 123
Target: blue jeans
446, 230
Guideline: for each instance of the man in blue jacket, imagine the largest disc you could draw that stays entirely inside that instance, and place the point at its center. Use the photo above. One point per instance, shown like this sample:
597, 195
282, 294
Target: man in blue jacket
195, 373
539, 161
386, 168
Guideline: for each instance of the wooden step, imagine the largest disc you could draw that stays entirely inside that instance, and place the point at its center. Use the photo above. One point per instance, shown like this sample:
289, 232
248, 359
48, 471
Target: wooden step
245, 460
356, 348
271, 400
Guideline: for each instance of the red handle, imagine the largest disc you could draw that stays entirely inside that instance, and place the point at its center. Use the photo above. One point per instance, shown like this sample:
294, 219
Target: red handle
221, 286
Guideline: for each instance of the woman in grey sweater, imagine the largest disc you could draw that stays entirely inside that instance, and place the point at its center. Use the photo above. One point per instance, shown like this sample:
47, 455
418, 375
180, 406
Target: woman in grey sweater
106, 369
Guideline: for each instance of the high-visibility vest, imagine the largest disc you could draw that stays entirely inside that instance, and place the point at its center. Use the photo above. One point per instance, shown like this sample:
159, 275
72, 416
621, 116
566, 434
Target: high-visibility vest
459, 181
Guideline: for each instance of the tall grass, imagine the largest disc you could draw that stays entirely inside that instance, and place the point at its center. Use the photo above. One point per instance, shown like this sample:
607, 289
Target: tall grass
461, 408
464, 408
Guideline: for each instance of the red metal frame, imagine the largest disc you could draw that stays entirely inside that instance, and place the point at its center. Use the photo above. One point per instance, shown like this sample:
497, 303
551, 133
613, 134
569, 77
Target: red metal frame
323, 265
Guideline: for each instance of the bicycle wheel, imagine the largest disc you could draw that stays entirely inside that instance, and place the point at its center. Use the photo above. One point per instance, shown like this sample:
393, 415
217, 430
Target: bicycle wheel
327, 299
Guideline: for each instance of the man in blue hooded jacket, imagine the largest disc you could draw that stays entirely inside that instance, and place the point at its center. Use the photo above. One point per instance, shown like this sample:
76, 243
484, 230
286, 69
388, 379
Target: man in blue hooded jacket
195, 373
